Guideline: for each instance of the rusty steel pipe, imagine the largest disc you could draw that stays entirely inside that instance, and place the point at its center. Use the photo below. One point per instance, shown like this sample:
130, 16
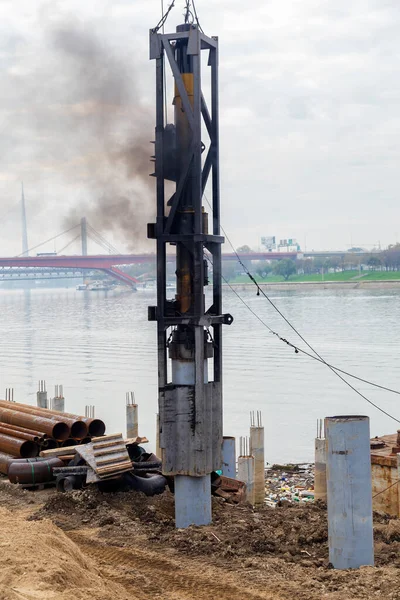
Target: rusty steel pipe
39, 434
51, 443
78, 427
21, 435
16, 447
69, 442
59, 430
86, 440
96, 427
32, 471
5, 460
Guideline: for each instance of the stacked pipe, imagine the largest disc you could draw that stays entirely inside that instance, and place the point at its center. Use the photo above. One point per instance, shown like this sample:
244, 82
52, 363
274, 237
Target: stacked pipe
25, 430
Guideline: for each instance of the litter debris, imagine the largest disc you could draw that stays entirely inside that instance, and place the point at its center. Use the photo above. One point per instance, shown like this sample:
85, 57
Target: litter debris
291, 484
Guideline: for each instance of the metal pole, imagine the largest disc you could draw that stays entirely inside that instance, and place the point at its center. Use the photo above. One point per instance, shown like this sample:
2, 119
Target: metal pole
349, 487
229, 457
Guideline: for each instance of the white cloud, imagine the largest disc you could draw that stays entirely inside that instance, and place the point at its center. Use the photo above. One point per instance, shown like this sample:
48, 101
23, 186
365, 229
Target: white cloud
309, 111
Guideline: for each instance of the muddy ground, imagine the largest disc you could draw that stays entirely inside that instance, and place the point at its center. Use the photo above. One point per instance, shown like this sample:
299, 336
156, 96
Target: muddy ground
269, 553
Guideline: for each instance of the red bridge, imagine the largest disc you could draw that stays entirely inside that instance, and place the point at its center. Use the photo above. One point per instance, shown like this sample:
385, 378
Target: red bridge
108, 263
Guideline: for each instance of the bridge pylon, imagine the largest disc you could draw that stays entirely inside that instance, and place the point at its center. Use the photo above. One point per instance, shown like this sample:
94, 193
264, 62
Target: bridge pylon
25, 251
84, 236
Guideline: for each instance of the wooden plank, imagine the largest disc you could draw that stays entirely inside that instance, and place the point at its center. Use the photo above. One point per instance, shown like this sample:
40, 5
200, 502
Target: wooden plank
115, 448
111, 459
116, 444
105, 438
114, 468
111, 467
136, 441
59, 451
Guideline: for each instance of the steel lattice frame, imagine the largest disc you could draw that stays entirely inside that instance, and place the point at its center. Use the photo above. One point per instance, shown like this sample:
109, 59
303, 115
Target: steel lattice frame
167, 229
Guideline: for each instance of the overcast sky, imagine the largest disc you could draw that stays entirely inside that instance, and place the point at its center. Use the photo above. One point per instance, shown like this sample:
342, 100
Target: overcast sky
310, 96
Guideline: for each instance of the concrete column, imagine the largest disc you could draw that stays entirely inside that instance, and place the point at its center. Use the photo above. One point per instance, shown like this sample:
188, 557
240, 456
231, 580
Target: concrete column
257, 450
41, 395
229, 457
320, 470
246, 469
349, 489
192, 494
192, 501
132, 416
58, 402
10, 394
246, 474
89, 411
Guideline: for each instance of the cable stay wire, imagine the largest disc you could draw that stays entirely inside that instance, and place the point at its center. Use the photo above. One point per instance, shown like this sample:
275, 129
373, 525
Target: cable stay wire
101, 240
49, 240
298, 349
318, 356
69, 243
104, 240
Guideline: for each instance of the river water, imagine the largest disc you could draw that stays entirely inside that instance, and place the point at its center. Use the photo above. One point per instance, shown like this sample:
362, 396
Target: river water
100, 345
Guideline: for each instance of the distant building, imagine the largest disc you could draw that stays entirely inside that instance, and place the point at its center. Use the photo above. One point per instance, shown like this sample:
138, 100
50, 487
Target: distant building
289, 245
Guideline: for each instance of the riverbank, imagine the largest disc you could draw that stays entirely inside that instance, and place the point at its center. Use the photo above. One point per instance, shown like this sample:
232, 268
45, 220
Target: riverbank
355, 284
85, 544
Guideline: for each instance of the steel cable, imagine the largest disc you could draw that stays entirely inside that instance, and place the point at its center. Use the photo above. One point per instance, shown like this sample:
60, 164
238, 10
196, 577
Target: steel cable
296, 348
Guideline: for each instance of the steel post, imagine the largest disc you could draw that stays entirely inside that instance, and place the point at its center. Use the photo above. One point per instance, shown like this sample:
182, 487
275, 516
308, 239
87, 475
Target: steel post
229, 457
349, 489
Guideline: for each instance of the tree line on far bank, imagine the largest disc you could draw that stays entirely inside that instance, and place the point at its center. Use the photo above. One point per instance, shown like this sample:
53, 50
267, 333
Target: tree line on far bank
387, 260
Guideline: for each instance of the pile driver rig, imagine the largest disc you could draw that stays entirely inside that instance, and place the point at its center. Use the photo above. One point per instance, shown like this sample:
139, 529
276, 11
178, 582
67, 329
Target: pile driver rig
189, 330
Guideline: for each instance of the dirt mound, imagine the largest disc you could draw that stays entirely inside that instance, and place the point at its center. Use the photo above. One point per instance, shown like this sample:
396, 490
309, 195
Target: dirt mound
92, 508
39, 561
296, 533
